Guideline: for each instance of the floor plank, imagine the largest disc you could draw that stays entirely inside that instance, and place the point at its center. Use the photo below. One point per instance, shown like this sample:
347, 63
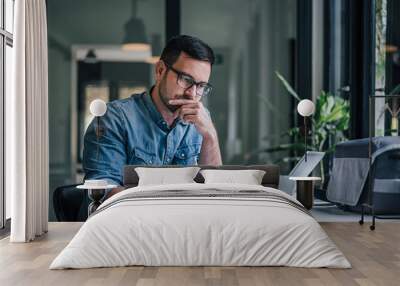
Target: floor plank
374, 255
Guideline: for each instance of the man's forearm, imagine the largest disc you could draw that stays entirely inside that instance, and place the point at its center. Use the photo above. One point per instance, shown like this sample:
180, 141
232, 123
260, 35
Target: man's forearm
210, 153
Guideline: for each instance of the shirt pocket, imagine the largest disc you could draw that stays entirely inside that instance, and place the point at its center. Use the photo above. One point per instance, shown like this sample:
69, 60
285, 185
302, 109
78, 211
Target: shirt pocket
140, 157
187, 155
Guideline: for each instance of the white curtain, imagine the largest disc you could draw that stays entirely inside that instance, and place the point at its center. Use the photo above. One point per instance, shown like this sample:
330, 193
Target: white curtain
27, 173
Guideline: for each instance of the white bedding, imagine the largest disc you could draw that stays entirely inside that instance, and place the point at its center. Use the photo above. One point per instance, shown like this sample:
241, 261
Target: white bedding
189, 230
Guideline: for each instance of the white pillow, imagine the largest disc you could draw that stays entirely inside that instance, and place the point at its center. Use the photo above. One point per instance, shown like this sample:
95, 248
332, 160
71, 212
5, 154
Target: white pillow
163, 176
248, 177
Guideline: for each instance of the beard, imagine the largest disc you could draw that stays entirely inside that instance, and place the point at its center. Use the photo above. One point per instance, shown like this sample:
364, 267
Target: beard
162, 91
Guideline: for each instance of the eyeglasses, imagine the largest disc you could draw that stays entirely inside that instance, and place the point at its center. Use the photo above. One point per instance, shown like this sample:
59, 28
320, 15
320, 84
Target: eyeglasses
186, 81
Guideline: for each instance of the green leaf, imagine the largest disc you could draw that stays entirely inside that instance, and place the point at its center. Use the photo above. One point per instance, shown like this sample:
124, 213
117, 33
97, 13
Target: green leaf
336, 114
288, 87
395, 90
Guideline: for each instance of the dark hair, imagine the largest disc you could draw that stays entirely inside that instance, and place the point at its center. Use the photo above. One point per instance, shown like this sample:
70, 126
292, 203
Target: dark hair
194, 47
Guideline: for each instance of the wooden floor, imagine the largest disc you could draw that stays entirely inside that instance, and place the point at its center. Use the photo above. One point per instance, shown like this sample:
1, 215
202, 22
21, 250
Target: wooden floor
374, 255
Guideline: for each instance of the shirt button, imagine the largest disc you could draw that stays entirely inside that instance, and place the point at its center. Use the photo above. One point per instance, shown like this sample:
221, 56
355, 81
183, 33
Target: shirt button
183, 154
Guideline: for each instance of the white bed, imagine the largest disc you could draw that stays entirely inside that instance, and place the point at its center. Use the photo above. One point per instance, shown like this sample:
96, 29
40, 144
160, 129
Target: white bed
223, 225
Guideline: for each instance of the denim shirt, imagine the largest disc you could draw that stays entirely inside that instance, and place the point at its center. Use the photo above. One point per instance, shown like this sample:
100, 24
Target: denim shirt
135, 133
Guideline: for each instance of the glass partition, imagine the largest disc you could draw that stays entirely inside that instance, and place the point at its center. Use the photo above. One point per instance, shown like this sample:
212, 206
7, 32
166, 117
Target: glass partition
387, 66
113, 69
6, 60
252, 40
9, 16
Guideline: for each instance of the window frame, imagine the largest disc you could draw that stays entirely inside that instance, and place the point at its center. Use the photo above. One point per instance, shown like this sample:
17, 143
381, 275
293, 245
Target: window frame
358, 67
6, 39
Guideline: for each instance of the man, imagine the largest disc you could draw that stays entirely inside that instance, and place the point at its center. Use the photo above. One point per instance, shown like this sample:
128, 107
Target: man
168, 126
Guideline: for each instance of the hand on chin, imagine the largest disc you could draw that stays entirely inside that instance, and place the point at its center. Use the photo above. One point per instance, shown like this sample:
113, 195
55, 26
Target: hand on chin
193, 111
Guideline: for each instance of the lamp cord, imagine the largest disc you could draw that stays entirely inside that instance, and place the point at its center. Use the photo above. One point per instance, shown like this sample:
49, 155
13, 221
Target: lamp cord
97, 137
305, 137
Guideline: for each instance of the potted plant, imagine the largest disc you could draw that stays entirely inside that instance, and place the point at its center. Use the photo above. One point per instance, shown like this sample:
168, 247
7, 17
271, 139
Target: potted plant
328, 126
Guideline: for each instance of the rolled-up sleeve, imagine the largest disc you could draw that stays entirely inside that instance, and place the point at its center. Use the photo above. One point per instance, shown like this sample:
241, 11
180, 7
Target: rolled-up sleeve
105, 157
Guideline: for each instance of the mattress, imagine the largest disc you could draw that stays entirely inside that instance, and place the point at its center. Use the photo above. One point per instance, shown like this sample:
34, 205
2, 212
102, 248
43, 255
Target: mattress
201, 225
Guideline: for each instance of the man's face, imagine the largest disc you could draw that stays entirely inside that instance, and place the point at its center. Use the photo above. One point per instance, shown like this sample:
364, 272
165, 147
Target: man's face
168, 88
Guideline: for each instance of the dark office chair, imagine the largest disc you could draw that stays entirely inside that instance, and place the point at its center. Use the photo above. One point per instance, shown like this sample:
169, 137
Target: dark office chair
70, 203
